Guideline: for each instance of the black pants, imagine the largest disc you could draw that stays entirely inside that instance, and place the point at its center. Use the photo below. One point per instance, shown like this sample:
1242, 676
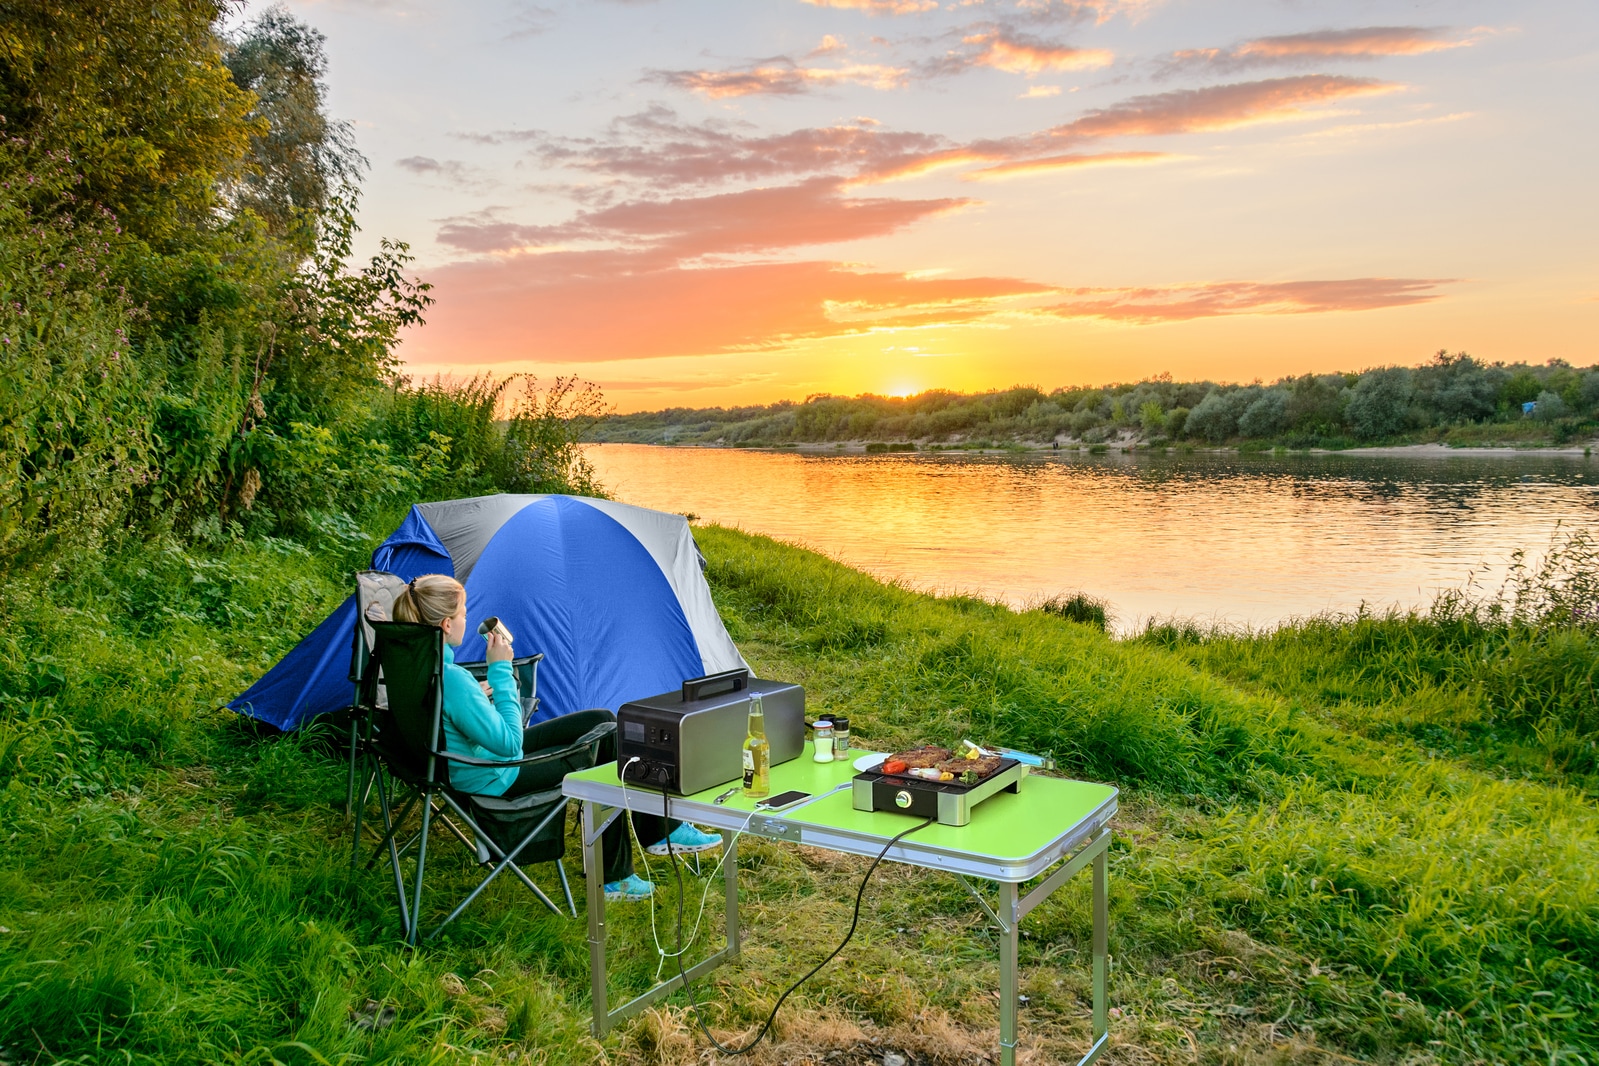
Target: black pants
614, 850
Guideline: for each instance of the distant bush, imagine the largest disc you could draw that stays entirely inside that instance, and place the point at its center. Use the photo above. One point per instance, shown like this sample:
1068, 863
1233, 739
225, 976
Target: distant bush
1379, 404
1327, 410
1266, 416
1550, 407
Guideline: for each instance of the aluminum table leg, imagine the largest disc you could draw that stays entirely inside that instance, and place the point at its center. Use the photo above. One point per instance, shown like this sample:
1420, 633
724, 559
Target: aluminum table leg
730, 883
1008, 950
1101, 949
594, 875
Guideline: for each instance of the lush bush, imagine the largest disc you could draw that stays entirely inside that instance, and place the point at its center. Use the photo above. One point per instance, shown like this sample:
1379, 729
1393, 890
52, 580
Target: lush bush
184, 332
1452, 396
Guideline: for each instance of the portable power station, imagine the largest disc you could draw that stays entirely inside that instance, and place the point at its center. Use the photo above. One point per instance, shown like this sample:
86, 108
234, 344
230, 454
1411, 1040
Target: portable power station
693, 739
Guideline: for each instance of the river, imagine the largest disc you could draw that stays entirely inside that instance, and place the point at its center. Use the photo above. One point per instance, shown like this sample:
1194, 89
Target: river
1238, 539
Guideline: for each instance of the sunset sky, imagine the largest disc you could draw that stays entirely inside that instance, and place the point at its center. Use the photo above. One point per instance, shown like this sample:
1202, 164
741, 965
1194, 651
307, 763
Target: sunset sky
697, 203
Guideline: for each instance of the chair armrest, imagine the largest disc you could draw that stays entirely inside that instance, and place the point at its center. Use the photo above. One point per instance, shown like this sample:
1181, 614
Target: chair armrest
599, 732
479, 668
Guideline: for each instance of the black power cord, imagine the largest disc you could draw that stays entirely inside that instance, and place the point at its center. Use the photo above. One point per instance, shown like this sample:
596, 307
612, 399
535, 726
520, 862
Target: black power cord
677, 872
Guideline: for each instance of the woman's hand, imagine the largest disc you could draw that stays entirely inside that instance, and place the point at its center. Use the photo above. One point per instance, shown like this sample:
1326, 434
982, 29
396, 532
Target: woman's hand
499, 648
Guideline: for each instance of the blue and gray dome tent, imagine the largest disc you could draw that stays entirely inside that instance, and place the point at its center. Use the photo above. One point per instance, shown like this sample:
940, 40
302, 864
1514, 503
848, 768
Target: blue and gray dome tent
613, 595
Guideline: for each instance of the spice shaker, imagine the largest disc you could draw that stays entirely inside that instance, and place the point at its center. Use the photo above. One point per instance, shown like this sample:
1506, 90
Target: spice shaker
824, 742
840, 735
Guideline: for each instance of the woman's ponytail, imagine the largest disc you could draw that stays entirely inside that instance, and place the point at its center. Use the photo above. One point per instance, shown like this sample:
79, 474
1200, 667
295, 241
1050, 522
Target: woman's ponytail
429, 599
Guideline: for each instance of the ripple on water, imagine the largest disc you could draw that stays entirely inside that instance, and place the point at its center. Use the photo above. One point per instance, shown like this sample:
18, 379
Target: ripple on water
1241, 539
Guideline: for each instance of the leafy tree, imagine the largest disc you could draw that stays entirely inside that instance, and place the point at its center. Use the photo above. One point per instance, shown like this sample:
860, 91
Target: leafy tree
1550, 407
1152, 416
1588, 393
1316, 404
74, 413
1523, 386
1266, 416
135, 94
1216, 416
1379, 404
299, 159
1458, 389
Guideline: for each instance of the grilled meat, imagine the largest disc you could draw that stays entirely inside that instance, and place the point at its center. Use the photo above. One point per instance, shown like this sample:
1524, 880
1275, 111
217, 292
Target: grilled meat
982, 766
922, 758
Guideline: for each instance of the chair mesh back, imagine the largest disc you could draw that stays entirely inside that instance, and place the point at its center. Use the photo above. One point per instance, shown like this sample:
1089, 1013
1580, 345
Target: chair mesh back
375, 593
412, 660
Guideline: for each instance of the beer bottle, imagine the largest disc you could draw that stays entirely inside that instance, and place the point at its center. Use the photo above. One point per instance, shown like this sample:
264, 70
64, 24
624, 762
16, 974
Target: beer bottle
757, 753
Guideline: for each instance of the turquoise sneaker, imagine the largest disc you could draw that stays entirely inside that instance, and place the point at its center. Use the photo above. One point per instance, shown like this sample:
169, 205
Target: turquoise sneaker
631, 890
687, 840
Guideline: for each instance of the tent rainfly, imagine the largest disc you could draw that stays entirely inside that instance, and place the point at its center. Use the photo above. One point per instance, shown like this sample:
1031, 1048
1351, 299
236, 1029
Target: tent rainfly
613, 595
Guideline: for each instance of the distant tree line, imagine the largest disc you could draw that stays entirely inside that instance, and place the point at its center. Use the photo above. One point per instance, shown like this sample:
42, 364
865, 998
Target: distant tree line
183, 336
1453, 397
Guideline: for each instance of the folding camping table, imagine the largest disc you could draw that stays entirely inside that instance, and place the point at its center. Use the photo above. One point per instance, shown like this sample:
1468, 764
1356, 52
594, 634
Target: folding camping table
1012, 838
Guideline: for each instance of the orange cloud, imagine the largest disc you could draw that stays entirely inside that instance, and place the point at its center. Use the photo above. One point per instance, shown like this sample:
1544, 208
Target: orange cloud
1070, 160
1022, 55
1366, 43
879, 7
656, 148
603, 306
753, 220
1179, 303
780, 78
1078, 10
1371, 42
1219, 107
598, 306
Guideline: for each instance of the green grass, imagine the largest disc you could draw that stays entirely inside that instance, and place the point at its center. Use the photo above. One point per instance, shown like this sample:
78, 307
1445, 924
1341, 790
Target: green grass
1369, 838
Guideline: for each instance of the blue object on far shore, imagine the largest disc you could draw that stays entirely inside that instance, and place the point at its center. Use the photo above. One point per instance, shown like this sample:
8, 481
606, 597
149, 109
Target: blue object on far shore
1529, 406
613, 595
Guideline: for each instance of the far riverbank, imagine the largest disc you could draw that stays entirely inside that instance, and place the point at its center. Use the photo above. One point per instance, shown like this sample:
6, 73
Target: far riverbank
1434, 450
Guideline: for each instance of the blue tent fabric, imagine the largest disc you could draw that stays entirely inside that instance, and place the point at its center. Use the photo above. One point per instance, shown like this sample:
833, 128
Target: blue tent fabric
600, 610
613, 595
314, 675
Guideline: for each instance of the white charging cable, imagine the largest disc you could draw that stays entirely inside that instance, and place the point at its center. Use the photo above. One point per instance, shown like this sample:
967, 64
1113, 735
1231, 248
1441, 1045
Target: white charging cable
660, 950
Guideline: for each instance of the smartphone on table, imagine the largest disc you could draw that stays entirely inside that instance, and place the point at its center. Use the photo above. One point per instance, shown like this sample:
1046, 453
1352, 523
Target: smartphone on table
782, 801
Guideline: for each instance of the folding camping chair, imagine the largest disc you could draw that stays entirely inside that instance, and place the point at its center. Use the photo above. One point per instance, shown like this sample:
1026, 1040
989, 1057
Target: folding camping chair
375, 593
406, 736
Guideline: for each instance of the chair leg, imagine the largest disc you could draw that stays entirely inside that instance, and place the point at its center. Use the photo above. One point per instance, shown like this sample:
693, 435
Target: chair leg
421, 864
355, 841
394, 853
393, 829
566, 886
506, 861
349, 782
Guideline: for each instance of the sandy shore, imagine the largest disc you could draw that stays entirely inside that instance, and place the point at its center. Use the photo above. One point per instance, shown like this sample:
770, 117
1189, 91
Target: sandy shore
1403, 451
1443, 451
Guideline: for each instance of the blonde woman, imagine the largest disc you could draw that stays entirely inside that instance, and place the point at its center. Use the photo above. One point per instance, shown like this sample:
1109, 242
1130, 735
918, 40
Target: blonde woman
492, 729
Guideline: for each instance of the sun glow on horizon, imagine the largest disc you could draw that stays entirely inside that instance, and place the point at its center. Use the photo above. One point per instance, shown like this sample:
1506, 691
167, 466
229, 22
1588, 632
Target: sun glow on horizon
1243, 195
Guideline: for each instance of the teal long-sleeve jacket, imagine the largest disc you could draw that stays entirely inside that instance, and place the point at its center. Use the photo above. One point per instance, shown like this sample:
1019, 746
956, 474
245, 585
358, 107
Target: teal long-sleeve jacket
474, 726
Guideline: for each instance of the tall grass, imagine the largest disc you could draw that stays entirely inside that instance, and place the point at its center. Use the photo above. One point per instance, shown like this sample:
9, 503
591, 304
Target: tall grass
1505, 680
1472, 899
1291, 879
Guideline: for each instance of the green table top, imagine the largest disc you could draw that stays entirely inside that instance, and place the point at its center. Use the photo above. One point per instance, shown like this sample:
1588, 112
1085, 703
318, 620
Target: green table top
1011, 837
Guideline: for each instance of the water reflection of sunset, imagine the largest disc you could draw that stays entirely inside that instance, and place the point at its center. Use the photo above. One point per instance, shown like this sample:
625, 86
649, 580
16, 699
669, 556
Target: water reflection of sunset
1239, 539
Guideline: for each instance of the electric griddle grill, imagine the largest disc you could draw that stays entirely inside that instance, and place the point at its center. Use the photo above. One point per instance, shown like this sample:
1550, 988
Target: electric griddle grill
951, 802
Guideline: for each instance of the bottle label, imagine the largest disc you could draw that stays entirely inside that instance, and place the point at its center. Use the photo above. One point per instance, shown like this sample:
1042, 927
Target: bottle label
749, 768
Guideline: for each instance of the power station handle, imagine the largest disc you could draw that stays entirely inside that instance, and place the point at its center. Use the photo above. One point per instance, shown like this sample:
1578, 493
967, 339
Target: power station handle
715, 684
